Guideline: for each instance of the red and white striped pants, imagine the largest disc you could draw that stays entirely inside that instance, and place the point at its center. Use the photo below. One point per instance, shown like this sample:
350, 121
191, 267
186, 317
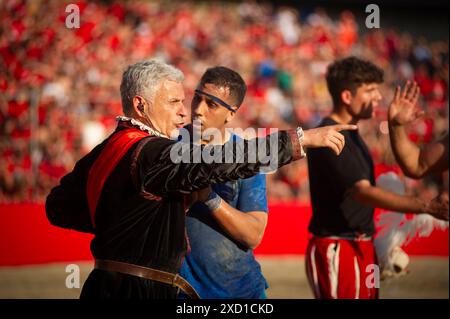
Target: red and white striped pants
340, 268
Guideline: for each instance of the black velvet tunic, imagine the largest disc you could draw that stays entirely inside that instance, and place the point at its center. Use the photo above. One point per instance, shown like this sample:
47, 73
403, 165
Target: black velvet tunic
131, 227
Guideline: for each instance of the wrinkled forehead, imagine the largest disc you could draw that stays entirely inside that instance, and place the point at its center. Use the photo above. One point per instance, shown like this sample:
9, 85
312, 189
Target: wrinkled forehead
171, 90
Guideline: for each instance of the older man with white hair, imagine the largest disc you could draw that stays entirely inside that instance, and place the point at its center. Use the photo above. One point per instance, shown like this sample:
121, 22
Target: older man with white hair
130, 194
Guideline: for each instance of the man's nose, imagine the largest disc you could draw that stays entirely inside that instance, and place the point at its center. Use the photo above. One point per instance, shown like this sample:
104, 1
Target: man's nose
199, 109
378, 96
182, 111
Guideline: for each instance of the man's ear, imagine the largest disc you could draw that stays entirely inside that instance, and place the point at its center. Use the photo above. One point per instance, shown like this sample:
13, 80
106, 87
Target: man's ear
346, 97
138, 105
230, 116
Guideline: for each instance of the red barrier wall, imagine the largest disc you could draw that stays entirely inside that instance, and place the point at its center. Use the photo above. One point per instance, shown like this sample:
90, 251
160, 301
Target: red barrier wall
26, 236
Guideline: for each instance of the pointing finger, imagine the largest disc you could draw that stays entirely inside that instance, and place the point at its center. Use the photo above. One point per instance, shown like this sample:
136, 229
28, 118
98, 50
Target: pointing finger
344, 127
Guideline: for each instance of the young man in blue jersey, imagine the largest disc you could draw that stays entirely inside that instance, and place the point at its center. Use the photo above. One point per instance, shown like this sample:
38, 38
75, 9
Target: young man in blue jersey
221, 263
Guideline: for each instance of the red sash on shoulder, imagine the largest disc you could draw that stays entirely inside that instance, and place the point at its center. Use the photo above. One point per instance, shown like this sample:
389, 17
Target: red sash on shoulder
115, 149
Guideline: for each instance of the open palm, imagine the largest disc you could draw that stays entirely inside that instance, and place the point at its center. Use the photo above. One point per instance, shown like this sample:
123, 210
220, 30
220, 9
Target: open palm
403, 109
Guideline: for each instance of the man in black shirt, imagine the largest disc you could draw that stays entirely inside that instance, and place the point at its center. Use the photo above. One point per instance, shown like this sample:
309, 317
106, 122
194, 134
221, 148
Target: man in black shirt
341, 256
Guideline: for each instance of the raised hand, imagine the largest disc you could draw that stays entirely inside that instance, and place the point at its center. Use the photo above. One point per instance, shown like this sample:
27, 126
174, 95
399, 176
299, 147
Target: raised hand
403, 109
327, 136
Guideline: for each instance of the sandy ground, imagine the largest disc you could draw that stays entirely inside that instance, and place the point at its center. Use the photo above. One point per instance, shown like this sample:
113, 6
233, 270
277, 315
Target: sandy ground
428, 278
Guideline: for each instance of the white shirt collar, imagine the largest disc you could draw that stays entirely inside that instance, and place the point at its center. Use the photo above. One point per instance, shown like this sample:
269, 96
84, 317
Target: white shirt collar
138, 124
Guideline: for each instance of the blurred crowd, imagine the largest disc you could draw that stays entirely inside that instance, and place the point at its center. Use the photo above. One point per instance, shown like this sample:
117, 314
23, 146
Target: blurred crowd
59, 87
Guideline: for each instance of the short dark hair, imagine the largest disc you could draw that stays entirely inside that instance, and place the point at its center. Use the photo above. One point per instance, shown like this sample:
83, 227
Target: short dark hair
221, 76
349, 74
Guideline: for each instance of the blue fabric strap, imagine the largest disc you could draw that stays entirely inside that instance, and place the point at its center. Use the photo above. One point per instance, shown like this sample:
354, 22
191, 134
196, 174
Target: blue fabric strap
216, 99
213, 201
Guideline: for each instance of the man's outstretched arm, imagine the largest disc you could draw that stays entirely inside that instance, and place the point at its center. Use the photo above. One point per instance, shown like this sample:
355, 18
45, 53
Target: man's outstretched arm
160, 174
377, 197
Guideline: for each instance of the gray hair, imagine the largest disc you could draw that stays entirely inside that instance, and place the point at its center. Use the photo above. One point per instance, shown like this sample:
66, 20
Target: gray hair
144, 79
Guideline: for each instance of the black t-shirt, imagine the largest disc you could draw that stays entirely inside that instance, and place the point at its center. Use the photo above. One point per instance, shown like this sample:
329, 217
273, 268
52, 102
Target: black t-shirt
335, 212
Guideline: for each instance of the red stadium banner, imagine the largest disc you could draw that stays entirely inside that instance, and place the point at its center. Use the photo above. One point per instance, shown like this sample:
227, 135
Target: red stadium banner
26, 236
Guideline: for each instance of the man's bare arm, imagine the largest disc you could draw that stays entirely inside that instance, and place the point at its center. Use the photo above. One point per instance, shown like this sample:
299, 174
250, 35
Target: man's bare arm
374, 196
415, 162
246, 228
